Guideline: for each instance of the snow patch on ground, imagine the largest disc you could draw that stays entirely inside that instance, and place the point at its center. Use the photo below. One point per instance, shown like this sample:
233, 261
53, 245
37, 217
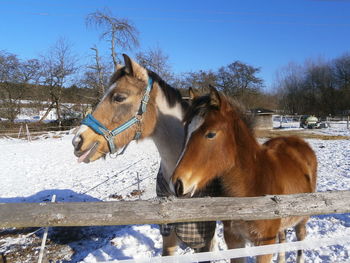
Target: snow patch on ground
33, 172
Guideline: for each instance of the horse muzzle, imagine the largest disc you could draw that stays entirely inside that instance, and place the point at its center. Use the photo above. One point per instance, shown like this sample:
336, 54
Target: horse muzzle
181, 192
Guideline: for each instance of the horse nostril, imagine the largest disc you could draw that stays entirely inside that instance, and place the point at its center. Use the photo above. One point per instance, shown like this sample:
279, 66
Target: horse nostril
179, 188
77, 142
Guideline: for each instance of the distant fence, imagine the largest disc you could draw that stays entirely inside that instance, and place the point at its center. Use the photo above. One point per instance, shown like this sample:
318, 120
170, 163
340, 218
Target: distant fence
293, 121
172, 210
25, 129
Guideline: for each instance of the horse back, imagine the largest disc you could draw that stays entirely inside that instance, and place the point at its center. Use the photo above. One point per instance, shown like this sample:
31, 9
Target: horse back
294, 163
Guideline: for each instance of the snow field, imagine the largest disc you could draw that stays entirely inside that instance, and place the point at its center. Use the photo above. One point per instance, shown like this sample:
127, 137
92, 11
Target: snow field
33, 172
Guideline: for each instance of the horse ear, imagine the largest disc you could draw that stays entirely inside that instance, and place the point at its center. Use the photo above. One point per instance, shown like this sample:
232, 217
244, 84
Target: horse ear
192, 93
128, 64
134, 69
214, 97
118, 67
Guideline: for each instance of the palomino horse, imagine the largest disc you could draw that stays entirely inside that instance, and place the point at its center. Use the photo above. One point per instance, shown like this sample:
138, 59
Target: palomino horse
137, 105
220, 144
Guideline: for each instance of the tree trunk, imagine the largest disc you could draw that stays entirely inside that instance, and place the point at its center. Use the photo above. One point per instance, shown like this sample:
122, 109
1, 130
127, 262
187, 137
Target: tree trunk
114, 55
47, 112
99, 69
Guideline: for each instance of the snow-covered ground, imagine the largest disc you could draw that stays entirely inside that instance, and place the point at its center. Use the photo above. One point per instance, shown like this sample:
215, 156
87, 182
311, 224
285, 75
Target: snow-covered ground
335, 128
33, 172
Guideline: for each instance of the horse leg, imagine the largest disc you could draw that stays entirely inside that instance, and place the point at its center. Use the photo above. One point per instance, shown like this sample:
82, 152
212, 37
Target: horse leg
282, 239
266, 258
169, 243
300, 230
233, 241
208, 247
268, 232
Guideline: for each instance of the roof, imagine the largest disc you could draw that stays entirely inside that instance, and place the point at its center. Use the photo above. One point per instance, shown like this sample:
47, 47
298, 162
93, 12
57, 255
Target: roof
261, 111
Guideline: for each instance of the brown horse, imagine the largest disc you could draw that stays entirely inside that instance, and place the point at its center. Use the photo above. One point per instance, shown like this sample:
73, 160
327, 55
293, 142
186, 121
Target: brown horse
220, 144
138, 105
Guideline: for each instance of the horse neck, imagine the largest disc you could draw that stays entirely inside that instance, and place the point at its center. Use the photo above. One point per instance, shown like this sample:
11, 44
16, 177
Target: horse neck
168, 134
242, 179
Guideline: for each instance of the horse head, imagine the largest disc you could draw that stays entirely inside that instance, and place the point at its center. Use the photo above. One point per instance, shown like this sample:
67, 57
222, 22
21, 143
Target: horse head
207, 152
126, 112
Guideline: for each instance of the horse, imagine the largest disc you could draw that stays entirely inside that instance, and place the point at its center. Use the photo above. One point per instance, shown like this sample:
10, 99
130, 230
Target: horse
220, 144
138, 104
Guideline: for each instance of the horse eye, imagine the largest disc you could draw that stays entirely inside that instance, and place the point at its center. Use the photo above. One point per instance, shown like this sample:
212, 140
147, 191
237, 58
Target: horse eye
210, 135
119, 98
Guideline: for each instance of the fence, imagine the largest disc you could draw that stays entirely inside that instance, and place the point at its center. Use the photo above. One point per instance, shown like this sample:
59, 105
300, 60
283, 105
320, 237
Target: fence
25, 132
242, 252
21, 131
184, 210
293, 121
172, 210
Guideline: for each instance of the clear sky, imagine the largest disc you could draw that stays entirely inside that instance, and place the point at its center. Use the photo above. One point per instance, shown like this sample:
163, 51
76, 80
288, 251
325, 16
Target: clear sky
196, 34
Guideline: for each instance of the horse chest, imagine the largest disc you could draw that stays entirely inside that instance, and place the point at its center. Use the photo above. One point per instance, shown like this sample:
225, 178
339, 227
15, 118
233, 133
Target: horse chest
248, 230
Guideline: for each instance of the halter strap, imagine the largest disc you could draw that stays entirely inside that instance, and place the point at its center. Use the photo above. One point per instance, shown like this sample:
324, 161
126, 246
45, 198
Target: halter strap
109, 135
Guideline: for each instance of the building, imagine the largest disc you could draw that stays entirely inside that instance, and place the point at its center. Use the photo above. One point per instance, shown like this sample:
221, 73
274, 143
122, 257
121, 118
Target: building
262, 118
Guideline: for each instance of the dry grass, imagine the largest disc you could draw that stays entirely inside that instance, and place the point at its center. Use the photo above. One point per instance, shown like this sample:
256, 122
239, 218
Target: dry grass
300, 133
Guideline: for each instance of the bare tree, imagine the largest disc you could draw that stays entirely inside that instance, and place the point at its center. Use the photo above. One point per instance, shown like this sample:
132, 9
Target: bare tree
10, 94
120, 32
310, 88
15, 77
238, 78
341, 72
30, 71
199, 80
290, 85
57, 66
97, 76
156, 60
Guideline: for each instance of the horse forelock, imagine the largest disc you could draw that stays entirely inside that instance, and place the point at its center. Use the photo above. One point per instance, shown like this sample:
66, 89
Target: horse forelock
229, 107
121, 72
200, 107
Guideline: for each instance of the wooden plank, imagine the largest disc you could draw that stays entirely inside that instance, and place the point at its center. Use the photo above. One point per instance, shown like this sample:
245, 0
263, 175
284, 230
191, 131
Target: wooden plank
171, 210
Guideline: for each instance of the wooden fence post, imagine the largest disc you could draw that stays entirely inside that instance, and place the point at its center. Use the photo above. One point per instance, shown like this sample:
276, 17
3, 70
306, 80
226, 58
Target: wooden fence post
28, 134
43, 242
19, 132
281, 121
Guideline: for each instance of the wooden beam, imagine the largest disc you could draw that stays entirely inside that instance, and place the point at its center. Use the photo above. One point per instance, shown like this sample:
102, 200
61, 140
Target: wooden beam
172, 210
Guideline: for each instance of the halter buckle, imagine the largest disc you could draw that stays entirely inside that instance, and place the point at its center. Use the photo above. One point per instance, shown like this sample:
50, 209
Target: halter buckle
137, 135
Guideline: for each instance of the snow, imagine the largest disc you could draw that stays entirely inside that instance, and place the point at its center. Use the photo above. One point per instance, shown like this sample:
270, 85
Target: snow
338, 128
34, 171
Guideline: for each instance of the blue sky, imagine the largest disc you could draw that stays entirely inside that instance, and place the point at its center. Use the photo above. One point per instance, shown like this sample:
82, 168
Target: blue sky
195, 34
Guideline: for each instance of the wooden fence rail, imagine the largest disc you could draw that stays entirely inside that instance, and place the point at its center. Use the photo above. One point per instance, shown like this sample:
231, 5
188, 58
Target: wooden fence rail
172, 210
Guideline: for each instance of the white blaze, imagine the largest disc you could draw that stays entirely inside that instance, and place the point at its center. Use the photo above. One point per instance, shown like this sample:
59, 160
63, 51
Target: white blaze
112, 87
194, 125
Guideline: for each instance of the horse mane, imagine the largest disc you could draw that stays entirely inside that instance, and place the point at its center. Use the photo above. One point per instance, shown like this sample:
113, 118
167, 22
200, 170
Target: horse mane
242, 113
201, 106
172, 95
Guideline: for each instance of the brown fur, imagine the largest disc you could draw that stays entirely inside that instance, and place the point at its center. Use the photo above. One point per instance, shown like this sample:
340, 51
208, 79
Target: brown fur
284, 165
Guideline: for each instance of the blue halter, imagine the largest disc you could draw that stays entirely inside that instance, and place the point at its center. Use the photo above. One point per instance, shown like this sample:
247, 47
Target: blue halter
109, 135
